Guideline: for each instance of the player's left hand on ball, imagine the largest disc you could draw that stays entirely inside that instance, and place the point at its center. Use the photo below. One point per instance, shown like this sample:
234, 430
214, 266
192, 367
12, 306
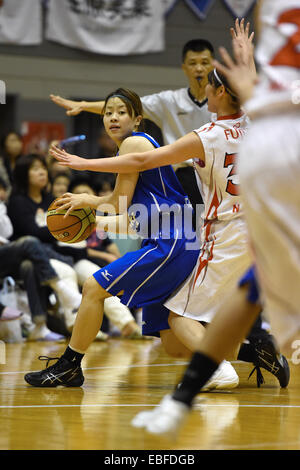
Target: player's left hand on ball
67, 159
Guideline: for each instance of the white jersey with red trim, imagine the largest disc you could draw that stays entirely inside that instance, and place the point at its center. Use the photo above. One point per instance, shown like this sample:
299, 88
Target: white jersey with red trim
218, 179
224, 254
278, 57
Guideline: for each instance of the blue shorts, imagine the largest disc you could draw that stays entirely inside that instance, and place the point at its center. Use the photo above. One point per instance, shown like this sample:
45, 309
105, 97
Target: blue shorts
155, 319
249, 279
149, 276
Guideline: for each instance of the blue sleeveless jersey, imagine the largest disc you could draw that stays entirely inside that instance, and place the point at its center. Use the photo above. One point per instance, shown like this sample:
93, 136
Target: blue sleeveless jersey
159, 205
161, 214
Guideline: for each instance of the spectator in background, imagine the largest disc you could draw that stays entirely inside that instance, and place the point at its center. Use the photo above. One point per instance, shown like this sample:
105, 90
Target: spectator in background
11, 150
6, 312
53, 167
25, 260
107, 185
27, 207
60, 184
81, 185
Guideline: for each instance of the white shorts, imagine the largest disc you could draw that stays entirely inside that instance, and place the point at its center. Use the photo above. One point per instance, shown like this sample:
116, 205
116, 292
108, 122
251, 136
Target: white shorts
269, 170
221, 263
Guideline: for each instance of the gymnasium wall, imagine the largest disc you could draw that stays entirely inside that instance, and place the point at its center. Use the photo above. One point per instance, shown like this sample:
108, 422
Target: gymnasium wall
34, 72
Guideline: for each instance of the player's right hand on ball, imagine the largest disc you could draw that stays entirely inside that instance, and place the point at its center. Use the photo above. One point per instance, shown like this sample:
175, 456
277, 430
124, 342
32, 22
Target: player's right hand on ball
72, 201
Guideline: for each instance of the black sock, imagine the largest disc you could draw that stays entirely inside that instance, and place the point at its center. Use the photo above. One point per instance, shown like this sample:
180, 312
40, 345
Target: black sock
199, 371
73, 356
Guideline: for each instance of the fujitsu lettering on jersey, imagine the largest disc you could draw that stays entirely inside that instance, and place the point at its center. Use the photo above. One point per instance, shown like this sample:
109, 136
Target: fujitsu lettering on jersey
235, 132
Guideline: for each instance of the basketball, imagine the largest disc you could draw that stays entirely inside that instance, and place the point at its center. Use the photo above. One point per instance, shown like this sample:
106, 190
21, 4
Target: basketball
77, 226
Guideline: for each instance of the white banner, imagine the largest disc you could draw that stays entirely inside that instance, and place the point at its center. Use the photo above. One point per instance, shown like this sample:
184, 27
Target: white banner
239, 8
20, 22
112, 27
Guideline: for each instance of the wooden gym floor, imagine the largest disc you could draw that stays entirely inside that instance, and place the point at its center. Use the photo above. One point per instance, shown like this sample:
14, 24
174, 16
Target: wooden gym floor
123, 377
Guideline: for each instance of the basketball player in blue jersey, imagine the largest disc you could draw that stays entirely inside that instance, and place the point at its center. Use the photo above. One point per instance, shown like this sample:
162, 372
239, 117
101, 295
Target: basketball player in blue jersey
156, 207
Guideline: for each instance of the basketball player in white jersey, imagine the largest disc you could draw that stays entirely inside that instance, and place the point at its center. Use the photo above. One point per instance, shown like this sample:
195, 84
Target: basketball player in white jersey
269, 169
270, 184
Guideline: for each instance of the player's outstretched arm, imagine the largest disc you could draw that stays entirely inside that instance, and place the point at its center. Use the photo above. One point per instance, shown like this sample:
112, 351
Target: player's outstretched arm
189, 146
69, 160
76, 107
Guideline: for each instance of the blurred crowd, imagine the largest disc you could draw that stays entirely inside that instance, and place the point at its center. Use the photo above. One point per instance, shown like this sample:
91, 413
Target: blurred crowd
50, 272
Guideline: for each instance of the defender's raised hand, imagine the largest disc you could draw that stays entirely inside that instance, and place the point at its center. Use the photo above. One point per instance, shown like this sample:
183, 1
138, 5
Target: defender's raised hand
242, 44
67, 159
237, 73
73, 107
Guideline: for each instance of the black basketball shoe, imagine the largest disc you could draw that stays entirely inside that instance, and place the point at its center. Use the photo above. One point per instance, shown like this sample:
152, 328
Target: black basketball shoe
268, 357
63, 373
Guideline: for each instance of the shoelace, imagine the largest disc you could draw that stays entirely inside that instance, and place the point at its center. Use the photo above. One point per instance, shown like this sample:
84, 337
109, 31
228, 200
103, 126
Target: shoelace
259, 376
48, 359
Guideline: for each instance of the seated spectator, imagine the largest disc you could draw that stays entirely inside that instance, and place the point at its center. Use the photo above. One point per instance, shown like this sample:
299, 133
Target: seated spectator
54, 167
60, 184
106, 185
10, 151
28, 205
25, 260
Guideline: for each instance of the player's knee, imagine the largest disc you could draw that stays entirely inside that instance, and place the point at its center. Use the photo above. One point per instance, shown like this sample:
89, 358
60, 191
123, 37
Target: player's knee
91, 288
